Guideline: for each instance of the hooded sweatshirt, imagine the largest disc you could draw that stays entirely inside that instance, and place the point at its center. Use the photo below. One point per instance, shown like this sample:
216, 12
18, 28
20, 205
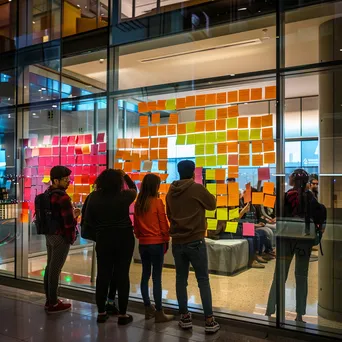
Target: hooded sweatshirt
186, 203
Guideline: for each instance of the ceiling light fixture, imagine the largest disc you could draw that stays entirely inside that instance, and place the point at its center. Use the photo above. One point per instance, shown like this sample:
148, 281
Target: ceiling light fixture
54, 106
242, 9
34, 114
78, 5
219, 47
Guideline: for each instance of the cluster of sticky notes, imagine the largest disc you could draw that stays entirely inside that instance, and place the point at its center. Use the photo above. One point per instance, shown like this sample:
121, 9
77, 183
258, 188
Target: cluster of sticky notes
265, 198
226, 194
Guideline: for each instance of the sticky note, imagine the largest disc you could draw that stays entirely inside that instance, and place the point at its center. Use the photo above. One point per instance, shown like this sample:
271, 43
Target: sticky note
200, 138
248, 229
256, 146
162, 165
210, 99
210, 214
231, 227
142, 107
243, 122
221, 98
255, 134
233, 159
267, 120
233, 188
257, 198
232, 135
244, 95
268, 188
210, 114
180, 103
209, 125
162, 153
143, 132
181, 128
270, 92
143, 120
268, 145
200, 100
147, 165
244, 147
152, 105
222, 113
46, 140
171, 129
200, 115
191, 139
162, 130
212, 224
232, 147
257, 160
210, 149
210, 138
233, 111
222, 214
173, 119
161, 105
181, 139
155, 119
152, 131
256, 122
210, 174
232, 123
210, 161
243, 135
220, 174
170, 104
199, 150
221, 189
222, 201
269, 201
128, 166
200, 161
222, 160
136, 165
256, 94
190, 101
233, 96
264, 173
267, 133
234, 214
221, 136
269, 158
211, 188
190, 127
233, 171
233, 200
222, 148
247, 196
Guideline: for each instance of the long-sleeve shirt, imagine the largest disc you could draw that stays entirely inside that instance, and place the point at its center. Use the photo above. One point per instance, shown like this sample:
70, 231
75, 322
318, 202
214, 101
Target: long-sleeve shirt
152, 227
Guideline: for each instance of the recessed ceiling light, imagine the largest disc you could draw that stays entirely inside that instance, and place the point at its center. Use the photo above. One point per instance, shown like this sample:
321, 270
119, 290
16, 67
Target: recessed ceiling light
242, 9
341, 50
54, 106
232, 75
43, 88
78, 5
33, 22
9, 99
34, 114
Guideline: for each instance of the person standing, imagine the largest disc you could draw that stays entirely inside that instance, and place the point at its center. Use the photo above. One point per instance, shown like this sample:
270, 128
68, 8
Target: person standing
313, 184
152, 230
186, 203
58, 244
107, 211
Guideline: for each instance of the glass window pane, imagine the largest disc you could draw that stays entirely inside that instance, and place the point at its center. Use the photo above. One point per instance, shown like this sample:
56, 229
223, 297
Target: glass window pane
292, 118
310, 116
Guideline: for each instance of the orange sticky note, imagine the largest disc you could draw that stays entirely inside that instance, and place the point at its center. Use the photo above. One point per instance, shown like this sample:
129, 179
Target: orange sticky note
267, 120
244, 95
222, 201
163, 176
117, 166
270, 92
256, 94
268, 145
221, 189
256, 146
243, 122
161, 105
256, 122
244, 147
222, 113
143, 132
268, 188
152, 131
180, 103
200, 100
269, 201
163, 153
267, 133
232, 135
144, 155
154, 142
220, 174
233, 200
244, 160
221, 98
152, 106
233, 159
200, 115
86, 149
155, 118
232, 96
144, 143
136, 165
233, 171
232, 147
135, 156
162, 165
209, 125
233, 188
181, 128
200, 126
257, 160
128, 166
162, 130
257, 198
221, 124
233, 111
153, 154
126, 155
142, 107
210, 99
269, 158
134, 176
173, 119
137, 143
143, 120
222, 148
171, 129
118, 154
190, 101
163, 142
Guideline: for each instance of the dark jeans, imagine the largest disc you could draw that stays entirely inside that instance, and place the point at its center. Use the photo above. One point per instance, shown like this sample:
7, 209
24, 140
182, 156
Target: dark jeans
152, 257
195, 253
114, 255
112, 287
288, 248
255, 244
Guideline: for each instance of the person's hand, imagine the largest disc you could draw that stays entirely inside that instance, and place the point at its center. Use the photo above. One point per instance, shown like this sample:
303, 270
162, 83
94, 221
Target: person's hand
77, 212
166, 247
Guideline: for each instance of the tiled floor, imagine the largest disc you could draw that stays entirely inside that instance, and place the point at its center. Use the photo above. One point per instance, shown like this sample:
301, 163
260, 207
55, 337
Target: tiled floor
22, 318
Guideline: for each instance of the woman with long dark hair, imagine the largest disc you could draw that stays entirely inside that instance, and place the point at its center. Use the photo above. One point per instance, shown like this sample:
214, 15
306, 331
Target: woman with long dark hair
107, 210
152, 229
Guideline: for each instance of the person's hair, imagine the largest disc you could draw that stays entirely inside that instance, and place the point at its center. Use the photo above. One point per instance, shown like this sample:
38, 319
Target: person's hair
233, 180
148, 190
186, 169
313, 177
110, 181
299, 178
59, 172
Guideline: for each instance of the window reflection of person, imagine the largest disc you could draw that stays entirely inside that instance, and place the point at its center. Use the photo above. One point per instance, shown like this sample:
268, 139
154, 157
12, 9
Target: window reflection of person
313, 184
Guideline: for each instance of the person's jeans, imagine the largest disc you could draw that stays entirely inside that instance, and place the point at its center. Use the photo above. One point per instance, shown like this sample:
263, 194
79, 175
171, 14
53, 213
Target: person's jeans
195, 253
152, 257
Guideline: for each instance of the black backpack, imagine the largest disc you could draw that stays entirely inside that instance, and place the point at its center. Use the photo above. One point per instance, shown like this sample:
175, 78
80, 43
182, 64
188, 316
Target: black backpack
46, 222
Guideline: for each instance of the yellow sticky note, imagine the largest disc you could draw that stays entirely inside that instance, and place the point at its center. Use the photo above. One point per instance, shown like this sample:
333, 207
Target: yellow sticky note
222, 214
190, 127
231, 227
221, 136
234, 214
255, 134
181, 139
46, 180
199, 150
191, 139
232, 123
210, 149
171, 104
210, 213
210, 174
222, 160
212, 224
200, 138
212, 188
210, 114
210, 161
243, 135
200, 161
210, 138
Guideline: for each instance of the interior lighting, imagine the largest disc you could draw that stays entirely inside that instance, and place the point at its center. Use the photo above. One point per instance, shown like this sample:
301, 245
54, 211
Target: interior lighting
242, 9
54, 106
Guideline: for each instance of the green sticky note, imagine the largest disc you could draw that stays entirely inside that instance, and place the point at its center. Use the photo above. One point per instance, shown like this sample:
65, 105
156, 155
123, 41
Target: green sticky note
210, 174
210, 114
200, 138
212, 188
210, 213
234, 214
210, 161
212, 224
190, 127
221, 136
210, 149
232, 123
222, 160
191, 139
256, 134
210, 138
181, 139
222, 214
199, 150
231, 227
170, 104
200, 161
243, 135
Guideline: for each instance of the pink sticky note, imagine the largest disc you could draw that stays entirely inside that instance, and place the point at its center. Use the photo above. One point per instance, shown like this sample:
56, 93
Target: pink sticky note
27, 194
55, 161
27, 171
72, 140
34, 161
102, 159
102, 168
71, 150
41, 161
100, 137
248, 229
27, 182
41, 170
78, 170
33, 142
63, 159
78, 150
93, 170
80, 139
70, 160
95, 160
264, 173
86, 159
34, 171
64, 140
79, 160
28, 153
86, 170
94, 149
63, 150
55, 140
46, 140
34, 181
102, 147
88, 139
55, 151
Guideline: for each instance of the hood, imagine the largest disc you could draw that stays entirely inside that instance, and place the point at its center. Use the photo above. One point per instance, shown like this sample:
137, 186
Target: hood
178, 187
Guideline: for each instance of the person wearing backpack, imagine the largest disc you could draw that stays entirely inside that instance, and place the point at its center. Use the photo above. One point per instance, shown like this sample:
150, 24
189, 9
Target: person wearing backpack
56, 219
152, 230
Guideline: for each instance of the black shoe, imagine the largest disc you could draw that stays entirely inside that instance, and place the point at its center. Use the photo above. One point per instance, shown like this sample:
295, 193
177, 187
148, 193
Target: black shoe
102, 318
212, 327
125, 320
185, 321
112, 310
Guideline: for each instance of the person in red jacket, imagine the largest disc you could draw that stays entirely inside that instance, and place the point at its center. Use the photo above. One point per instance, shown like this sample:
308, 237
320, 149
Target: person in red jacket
152, 229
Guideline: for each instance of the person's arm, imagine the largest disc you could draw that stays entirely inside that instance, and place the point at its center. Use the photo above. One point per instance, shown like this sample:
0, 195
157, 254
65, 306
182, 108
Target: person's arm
131, 193
244, 211
207, 200
163, 223
69, 221
131, 185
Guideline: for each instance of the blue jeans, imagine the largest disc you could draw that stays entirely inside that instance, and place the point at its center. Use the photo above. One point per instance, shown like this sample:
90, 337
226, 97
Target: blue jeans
152, 257
195, 253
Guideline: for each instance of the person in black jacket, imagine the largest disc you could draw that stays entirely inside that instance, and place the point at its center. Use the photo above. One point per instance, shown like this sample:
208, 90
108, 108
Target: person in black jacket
107, 210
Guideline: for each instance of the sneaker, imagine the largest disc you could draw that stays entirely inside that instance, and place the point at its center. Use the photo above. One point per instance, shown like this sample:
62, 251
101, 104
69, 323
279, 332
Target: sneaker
267, 257
125, 320
150, 312
102, 318
255, 264
59, 307
261, 260
185, 321
112, 310
161, 317
211, 327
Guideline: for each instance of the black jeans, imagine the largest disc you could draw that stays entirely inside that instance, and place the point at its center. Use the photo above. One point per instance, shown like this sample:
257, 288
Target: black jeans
114, 255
